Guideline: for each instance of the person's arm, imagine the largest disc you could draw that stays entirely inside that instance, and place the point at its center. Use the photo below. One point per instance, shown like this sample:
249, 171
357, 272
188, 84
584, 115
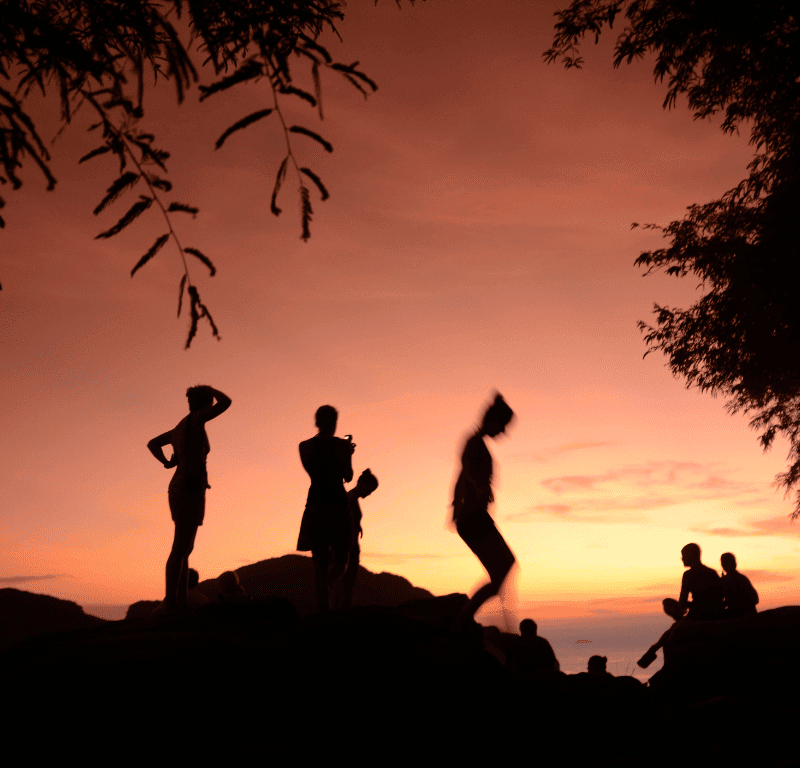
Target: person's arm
752, 591
156, 446
344, 452
684, 598
223, 402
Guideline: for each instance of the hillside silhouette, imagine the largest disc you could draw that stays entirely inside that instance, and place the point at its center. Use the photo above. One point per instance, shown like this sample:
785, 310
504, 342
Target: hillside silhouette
261, 680
27, 614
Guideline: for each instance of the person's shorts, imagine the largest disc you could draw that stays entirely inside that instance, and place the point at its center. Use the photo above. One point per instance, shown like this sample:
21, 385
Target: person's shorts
480, 534
187, 505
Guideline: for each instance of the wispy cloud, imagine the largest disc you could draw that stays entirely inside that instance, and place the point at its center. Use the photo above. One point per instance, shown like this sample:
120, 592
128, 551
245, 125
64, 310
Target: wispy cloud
635, 489
25, 579
773, 526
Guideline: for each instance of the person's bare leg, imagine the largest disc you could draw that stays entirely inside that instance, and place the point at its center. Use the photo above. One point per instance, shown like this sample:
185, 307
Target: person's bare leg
177, 575
320, 558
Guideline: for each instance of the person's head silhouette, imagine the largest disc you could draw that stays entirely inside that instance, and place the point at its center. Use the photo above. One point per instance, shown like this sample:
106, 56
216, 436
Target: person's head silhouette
366, 483
728, 562
497, 417
199, 397
528, 628
597, 665
325, 418
690, 555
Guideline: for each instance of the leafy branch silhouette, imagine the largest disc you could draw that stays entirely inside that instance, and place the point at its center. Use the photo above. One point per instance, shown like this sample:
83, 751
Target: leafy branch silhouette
98, 52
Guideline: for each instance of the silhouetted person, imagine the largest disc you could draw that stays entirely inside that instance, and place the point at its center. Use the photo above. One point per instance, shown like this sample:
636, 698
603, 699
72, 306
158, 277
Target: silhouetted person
471, 499
739, 596
597, 666
195, 597
365, 485
703, 584
532, 654
187, 489
673, 609
326, 528
230, 590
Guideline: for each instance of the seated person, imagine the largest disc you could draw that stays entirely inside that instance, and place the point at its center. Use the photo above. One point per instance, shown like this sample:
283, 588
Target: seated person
673, 609
739, 597
230, 590
195, 598
597, 666
532, 653
703, 584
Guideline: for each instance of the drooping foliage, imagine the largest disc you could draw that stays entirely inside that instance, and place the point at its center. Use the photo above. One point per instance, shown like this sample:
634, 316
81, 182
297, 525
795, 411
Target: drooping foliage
741, 339
96, 55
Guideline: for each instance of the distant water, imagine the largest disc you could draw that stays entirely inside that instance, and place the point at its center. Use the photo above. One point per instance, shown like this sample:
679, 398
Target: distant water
106, 611
622, 639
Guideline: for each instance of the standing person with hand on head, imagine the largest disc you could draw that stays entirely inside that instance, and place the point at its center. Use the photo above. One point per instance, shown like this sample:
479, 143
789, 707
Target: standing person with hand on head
471, 499
326, 528
187, 489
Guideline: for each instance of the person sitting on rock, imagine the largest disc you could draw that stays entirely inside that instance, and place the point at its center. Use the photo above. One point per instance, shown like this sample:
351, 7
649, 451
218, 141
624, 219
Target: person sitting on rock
739, 597
365, 485
673, 609
597, 666
195, 598
703, 584
532, 654
230, 590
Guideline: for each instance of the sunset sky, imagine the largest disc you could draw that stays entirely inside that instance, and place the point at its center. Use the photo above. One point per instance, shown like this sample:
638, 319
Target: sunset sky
478, 238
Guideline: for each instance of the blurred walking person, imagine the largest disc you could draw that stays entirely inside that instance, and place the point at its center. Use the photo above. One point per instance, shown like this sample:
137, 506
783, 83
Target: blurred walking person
471, 499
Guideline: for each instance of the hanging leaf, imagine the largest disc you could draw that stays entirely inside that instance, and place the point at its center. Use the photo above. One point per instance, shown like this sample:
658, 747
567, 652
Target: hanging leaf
291, 90
299, 129
320, 186
197, 311
198, 255
159, 183
317, 87
184, 208
136, 210
249, 70
94, 153
243, 123
124, 182
180, 293
305, 204
154, 249
273, 205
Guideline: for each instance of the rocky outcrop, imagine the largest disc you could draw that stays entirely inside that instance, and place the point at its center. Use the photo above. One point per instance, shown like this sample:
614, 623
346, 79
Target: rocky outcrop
292, 577
27, 614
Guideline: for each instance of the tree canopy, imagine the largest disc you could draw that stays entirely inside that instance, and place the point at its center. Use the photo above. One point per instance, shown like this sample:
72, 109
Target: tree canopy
742, 60
96, 55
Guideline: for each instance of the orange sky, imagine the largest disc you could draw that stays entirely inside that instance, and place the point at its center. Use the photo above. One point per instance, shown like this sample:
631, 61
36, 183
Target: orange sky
477, 238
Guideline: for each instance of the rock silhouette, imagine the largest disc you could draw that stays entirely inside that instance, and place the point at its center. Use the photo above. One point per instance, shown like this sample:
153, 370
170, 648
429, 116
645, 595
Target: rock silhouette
397, 681
27, 614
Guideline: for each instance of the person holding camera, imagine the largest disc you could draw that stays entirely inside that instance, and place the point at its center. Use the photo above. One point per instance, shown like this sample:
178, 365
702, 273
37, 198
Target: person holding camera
326, 528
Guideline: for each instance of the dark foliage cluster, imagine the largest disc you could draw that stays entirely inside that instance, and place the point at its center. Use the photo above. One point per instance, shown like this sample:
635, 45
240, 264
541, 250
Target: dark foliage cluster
97, 54
740, 61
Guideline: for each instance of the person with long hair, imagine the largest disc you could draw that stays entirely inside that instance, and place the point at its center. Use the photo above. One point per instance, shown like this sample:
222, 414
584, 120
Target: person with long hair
187, 489
471, 499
